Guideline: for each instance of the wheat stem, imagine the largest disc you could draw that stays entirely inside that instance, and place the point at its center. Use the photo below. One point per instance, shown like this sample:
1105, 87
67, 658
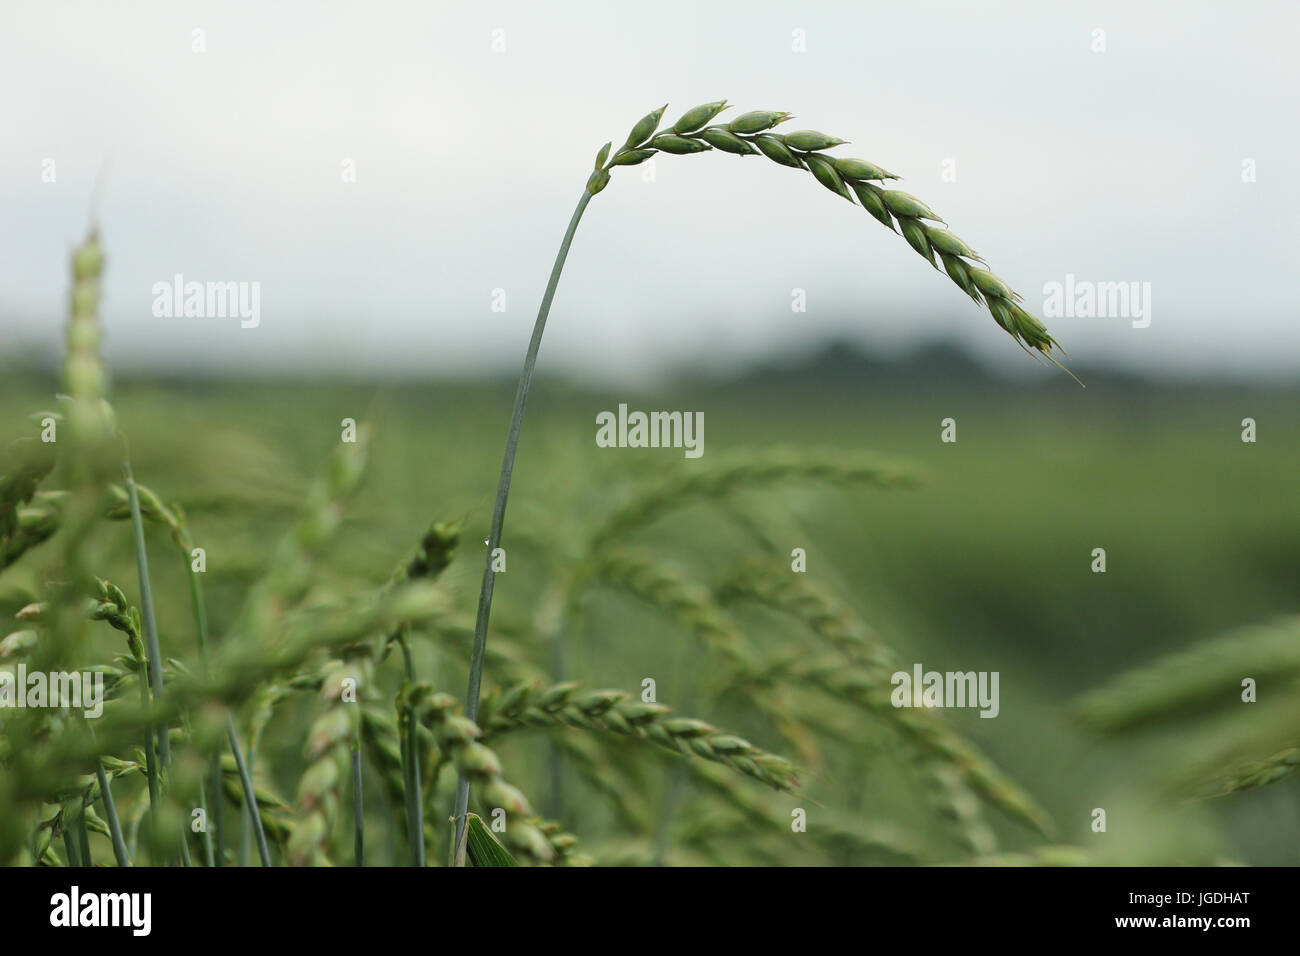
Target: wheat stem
112, 607
69, 846
250, 795
83, 839
499, 512
172, 518
358, 808
146, 608
185, 849
215, 843
214, 846
411, 789
110, 812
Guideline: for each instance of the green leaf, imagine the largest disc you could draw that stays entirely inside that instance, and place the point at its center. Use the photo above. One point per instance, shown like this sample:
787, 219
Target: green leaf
484, 849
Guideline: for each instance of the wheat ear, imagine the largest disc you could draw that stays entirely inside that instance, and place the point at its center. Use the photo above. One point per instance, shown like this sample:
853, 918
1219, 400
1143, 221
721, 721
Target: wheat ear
329, 742
564, 704
718, 478
749, 134
1261, 773
1205, 675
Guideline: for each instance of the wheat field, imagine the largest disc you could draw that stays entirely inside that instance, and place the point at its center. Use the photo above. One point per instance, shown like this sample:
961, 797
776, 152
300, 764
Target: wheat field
662, 684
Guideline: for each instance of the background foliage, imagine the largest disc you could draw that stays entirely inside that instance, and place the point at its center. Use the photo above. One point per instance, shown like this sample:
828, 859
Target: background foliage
984, 566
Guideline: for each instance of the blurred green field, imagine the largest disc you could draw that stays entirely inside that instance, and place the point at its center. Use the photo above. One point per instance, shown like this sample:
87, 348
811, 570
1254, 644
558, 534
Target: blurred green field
985, 567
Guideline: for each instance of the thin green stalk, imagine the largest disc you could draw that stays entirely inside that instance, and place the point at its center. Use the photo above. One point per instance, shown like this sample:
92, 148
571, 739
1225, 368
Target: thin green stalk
150, 758
83, 839
110, 813
69, 845
152, 647
410, 745
499, 514
218, 810
144, 666
554, 755
358, 808
209, 853
198, 609
250, 796
411, 789
215, 853
245, 817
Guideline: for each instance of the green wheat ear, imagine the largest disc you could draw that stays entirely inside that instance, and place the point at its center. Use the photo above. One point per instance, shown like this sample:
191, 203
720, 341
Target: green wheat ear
750, 134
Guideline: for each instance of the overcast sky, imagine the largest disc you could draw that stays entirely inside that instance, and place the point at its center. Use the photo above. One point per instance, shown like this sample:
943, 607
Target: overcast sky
225, 165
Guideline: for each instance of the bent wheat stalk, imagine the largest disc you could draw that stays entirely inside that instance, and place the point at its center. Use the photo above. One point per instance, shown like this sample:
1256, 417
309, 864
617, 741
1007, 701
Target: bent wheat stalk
748, 135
